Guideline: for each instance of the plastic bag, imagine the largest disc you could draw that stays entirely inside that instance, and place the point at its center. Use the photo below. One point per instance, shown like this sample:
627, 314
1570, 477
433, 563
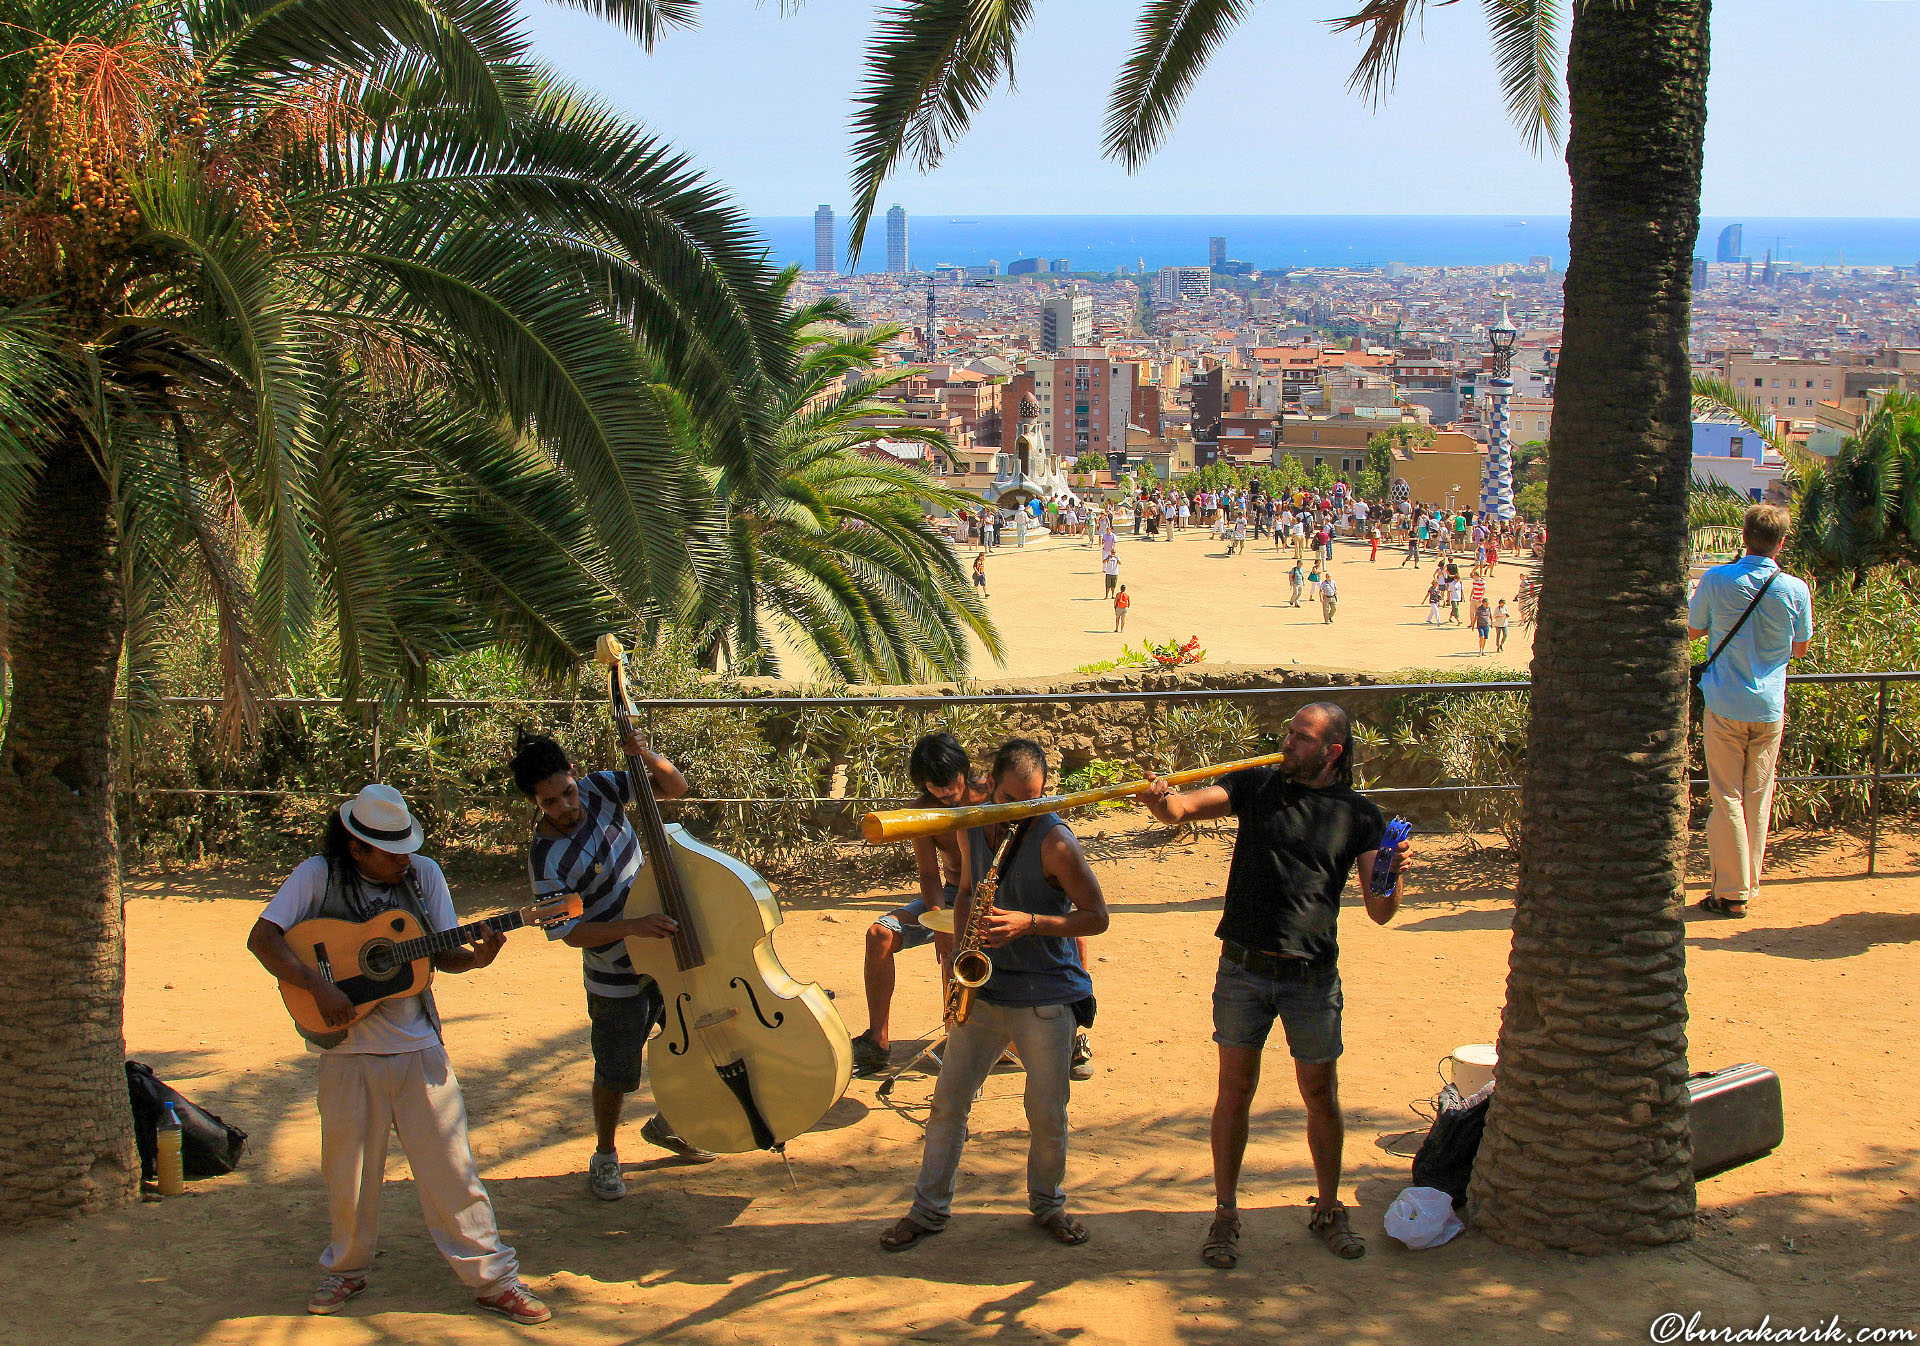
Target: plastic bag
1422, 1217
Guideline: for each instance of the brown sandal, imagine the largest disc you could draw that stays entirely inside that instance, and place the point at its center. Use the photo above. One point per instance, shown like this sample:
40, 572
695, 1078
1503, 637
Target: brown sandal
905, 1233
1330, 1223
1723, 906
1064, 1228
1221, 1251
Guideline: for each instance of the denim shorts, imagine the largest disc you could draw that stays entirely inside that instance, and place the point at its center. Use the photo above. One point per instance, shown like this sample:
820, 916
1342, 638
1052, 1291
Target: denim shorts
914, 935
621, 1026
1308, 1005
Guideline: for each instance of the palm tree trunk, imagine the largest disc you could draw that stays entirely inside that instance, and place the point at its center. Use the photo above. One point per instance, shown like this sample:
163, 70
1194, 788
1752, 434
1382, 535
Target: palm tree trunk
1587, 1146
67, 1143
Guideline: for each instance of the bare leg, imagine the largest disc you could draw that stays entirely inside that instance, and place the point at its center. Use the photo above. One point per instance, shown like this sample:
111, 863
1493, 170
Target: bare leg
881, 947
1326, 1133
1239, 1077
606, 1116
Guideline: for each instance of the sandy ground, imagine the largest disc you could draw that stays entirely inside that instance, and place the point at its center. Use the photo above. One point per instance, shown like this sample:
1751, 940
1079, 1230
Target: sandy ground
1047, 600
1818, 983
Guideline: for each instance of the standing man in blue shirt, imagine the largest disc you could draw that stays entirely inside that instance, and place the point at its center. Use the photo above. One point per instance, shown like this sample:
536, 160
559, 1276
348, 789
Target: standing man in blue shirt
1745, 688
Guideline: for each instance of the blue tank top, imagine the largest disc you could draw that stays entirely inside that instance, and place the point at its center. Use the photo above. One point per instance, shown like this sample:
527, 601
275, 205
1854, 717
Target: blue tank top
1034, 969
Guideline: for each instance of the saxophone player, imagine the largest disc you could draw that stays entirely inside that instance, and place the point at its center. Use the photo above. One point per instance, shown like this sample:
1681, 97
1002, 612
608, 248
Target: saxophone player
1034, 997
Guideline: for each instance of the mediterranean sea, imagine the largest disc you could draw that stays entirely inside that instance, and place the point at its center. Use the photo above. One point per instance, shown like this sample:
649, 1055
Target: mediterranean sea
1105, 242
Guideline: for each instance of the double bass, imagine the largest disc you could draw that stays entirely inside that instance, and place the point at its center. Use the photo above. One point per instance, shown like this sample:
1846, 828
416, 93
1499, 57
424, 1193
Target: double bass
752, 1057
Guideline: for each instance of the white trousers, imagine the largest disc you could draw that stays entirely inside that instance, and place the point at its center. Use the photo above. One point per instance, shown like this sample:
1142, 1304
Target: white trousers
362, 1100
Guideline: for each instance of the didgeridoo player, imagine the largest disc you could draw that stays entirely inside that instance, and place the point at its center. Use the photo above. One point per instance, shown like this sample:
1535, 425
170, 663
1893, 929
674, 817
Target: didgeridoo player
1303, 830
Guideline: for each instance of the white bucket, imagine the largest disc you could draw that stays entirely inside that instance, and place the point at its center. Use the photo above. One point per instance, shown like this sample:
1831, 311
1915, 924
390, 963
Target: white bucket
1472, 1067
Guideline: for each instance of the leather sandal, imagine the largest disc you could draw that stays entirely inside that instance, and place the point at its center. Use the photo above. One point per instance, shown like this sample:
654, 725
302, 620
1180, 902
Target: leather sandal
1330, 1223
905, 1233
1063, 1228
1221, 1251
1723, 906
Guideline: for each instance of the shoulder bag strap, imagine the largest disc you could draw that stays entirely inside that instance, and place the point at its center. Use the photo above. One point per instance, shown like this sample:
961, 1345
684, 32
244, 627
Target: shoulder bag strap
1728, 638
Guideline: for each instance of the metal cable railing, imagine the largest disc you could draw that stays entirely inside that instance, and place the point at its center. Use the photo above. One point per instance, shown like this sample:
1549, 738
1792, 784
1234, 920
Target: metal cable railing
1875, 777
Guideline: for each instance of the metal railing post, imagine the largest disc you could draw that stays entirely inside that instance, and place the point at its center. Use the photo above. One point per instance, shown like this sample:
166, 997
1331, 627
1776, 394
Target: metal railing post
1873, 786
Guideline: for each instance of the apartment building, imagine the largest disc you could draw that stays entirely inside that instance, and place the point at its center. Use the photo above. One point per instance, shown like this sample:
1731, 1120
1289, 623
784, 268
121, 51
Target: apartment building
1066, 319
1086, 398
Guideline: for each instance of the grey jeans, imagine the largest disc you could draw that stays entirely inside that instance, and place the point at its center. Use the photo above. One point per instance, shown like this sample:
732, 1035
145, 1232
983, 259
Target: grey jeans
1043, 1035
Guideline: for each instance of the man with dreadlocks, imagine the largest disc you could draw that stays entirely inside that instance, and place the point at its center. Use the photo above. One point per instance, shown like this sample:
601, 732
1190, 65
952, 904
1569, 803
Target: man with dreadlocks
1303, 828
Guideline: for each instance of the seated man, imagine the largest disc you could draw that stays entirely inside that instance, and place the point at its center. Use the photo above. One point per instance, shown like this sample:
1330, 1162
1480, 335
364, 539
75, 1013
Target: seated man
938, 765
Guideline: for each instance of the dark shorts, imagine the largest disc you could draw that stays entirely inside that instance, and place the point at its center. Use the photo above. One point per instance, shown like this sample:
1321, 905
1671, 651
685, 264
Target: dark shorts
1307, 1004
621, 1027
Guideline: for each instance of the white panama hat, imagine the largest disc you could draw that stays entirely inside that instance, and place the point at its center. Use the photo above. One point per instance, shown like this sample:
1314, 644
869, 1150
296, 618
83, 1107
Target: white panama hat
378, 815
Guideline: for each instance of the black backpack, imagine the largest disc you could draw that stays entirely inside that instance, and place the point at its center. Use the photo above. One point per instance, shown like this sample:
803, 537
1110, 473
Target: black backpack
208, 1146
1445, 1160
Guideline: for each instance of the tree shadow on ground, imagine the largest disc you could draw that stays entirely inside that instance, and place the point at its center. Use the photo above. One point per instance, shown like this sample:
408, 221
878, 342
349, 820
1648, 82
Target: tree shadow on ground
1844, 936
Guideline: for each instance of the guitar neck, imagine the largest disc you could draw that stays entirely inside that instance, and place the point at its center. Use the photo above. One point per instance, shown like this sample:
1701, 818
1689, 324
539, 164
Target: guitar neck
441, 940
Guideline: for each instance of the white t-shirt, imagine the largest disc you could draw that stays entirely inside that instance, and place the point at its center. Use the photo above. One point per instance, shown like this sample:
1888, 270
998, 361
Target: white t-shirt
1111, 565
395, 1026
1454, 591
1328, 589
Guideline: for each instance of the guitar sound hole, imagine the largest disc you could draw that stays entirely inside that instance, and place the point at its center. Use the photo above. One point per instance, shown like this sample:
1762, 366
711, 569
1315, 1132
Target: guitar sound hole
377, 960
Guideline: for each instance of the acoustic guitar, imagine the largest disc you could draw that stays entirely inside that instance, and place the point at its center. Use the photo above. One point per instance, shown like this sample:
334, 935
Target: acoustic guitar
390, 955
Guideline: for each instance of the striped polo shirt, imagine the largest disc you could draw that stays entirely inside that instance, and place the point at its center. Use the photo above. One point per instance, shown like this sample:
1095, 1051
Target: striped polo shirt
597, 860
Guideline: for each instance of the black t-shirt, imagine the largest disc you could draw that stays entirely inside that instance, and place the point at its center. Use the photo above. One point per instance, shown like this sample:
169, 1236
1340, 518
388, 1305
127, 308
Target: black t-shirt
1291, 860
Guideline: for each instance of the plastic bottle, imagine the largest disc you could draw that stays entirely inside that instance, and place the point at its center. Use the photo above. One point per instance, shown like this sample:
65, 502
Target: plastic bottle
169, 1163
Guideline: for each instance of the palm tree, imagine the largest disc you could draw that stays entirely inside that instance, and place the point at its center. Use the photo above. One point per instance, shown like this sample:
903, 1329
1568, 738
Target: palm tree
346, 313
834, 544
1863, 509
1587, 1142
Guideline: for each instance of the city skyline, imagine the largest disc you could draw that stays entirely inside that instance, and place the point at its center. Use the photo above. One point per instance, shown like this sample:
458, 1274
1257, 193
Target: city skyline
1405, 159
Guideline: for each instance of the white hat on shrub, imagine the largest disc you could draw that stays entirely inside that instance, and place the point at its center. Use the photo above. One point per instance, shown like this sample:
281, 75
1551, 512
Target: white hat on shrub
379, 816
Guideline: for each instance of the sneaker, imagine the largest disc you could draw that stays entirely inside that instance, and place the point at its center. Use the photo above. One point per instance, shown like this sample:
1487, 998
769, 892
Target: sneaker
332, 1294
1082, 1067
517, 1303
603, 1177
657, 1132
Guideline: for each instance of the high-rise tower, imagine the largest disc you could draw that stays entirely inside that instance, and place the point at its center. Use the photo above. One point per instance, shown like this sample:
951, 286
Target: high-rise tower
1730, 241
1216, 252
897, 241
823, 240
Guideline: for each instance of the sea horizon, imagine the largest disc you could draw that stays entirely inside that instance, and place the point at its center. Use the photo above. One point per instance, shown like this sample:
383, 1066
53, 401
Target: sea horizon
1105, 242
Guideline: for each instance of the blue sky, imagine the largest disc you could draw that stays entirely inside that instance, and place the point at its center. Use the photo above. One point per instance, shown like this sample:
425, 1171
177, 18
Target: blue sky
1810, 112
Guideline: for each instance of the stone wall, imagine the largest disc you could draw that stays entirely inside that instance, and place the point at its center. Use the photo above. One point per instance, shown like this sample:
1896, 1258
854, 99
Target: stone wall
1074, 733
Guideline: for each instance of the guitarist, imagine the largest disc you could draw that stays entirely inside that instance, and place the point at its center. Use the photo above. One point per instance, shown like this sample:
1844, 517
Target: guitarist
584, 843
389, 1072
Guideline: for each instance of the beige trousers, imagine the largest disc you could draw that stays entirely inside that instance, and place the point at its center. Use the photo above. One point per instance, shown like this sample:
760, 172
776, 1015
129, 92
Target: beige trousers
362, 1100
1741, 756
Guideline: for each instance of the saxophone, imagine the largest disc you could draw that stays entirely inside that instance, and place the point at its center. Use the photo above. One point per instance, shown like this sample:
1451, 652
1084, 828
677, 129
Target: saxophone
971, 966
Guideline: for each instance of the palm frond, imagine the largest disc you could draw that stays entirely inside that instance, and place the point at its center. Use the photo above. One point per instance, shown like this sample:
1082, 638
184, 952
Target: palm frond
1174, 39
647, 20
1385, 24
930, 66
1527, 48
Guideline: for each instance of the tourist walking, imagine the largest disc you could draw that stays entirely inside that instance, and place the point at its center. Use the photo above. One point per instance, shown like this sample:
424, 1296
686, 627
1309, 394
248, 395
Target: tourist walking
1483, 622
1298, 576
1329, 598
1120, 605
1436, 591
1755, 619
1110, 567
980, 574
1455, 595
1500, 620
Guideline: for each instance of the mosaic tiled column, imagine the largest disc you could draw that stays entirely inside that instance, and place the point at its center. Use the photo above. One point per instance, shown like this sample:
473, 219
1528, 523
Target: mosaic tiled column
1496, 484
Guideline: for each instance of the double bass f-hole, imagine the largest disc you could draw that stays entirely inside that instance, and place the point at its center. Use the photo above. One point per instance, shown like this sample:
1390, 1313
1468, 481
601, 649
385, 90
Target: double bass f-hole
753, 1000
680, 1008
